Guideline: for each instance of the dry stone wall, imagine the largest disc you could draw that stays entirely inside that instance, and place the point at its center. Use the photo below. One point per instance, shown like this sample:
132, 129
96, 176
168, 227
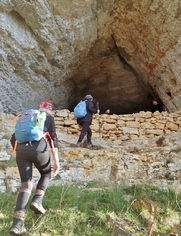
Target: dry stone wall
119, 128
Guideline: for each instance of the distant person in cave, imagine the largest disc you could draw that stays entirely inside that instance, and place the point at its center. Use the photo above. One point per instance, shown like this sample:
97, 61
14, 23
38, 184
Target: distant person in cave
156, 106
85, 122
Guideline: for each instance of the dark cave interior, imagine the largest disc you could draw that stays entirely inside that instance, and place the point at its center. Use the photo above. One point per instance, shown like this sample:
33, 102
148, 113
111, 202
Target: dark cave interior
120, 106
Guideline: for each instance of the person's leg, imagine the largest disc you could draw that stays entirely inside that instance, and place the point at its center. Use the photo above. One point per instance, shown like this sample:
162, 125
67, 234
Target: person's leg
43, 164
25, 171
18, 227
85, 127
89, 135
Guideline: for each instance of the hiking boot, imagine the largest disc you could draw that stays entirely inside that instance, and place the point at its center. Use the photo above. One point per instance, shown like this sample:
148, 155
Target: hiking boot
90, 146
78, 144
38, 209
18, 227
36, 205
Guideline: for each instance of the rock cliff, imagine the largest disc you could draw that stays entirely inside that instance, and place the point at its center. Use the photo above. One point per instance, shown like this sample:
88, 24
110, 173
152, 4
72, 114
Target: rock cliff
122, 52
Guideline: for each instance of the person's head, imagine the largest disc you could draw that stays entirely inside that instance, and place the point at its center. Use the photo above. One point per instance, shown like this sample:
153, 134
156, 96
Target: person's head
154, 102
46, 106
89, 97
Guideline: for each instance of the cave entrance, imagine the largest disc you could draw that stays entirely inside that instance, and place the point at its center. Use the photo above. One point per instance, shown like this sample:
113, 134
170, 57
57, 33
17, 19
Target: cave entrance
121, 97
108, 74
120, 105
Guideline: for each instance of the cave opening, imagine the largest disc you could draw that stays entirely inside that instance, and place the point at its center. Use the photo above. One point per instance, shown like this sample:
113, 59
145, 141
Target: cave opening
128, 105
113, 81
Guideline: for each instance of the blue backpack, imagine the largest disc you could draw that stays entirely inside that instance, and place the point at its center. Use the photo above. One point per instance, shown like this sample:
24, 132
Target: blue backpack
30, 126
80, 110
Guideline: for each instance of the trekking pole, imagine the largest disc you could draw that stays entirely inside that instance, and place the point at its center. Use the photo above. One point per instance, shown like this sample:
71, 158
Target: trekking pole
97, 105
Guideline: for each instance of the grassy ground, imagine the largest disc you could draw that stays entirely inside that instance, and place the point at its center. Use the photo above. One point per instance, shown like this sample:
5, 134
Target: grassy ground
95, 210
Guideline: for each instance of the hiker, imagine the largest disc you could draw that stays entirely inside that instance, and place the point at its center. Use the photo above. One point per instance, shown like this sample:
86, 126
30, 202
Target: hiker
86, 121
156, 106
27, 154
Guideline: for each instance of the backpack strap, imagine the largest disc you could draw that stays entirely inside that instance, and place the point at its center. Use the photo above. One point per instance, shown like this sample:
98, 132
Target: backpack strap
47, 135
16, 118
15, 146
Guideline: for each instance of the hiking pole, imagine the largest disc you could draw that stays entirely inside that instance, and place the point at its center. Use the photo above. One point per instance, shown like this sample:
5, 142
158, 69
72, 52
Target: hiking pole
97, 105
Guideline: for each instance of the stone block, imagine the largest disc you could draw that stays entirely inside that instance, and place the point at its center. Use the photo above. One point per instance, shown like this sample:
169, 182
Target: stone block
127, 130
69, 122
62, 113
171, 126
107, 126
110, 121
154, 131
134, 124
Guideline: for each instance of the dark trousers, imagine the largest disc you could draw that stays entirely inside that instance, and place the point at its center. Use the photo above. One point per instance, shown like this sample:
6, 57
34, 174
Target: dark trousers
85, 129
27, 155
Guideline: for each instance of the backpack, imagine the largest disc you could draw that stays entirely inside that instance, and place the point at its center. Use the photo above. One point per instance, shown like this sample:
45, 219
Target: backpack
30, 126
80, 110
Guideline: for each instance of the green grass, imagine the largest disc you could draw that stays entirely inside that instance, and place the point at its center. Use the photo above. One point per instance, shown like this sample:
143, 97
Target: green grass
84, 211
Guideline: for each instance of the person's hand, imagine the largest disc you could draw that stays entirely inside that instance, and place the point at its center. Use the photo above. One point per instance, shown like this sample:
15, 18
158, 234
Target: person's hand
56, 168
98, 111
107, 111
80, 127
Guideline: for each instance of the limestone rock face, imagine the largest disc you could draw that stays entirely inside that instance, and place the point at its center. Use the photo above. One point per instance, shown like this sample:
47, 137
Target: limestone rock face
122, 52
